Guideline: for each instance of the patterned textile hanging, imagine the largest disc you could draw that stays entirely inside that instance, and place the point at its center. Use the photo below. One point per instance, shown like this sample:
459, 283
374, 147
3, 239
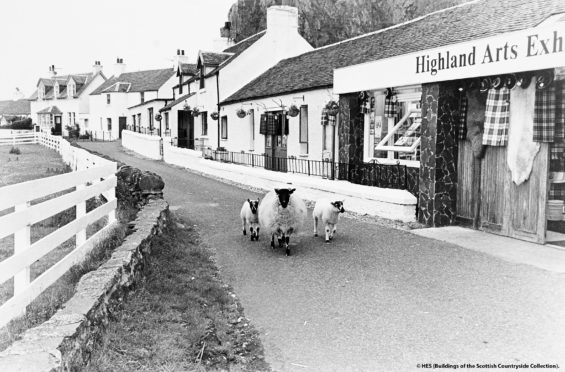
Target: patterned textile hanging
263, 124
544, 115
391, 106
497, 117
560, 111
324, 117
462, 132
271, 125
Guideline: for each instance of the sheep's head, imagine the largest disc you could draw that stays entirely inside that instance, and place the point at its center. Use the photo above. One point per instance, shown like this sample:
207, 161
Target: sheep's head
254, 205
338, 204
284, 196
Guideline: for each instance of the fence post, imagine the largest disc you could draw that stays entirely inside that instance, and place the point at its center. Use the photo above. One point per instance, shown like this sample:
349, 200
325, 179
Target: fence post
111, 195
22, 242
80, 212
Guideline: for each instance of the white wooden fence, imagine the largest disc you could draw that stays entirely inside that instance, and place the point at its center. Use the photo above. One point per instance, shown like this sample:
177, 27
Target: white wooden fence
19, 139
91, 176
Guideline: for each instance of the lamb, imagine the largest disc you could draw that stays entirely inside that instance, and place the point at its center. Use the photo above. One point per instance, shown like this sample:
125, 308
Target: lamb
282, 214
328, 212
250, 218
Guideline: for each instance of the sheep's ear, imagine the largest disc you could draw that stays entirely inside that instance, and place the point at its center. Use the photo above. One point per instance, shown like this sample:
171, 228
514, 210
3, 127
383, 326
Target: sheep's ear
249, 201
277, 190
291, 191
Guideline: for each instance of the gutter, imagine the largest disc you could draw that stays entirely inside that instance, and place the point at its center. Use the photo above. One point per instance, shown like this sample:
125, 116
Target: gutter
218, 103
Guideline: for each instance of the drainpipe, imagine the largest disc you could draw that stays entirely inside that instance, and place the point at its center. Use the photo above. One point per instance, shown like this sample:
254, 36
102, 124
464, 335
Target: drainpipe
218, 104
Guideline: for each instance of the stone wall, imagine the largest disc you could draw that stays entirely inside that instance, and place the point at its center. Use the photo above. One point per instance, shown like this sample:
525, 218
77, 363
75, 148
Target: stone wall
66, 341
438, 159
350, 136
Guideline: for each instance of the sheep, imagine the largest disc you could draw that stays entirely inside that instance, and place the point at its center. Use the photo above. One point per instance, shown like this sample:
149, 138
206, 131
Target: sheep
250, 218
328, 212
281, 214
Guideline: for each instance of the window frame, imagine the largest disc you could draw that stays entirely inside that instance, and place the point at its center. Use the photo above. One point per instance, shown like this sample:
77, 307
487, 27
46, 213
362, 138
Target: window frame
150, 114
109, 124
204, 123
166, 117
224, 129
108, 99
301, 134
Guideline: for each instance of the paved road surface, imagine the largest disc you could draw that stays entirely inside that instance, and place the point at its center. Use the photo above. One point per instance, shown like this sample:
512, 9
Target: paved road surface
374, 299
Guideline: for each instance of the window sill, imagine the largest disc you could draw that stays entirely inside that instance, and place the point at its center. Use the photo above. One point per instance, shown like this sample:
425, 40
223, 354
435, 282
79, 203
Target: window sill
303, 155
203, 90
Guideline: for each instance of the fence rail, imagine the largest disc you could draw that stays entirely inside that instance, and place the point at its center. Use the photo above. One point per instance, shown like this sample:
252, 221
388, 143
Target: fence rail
91, 177
19, 139
371, 174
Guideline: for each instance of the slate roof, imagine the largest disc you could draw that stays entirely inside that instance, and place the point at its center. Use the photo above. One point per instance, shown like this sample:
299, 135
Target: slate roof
470, 21
141, 81
82, 81
245, 43
189, 69
150, 101
19, 107
214, 59
53, 110
170, 105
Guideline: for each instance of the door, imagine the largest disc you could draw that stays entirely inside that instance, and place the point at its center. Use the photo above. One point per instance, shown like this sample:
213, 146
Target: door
122, 122
182, 127
58, 129
276, 144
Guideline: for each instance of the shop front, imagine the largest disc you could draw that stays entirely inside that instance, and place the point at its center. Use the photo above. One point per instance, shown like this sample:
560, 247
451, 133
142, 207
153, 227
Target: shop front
482, 123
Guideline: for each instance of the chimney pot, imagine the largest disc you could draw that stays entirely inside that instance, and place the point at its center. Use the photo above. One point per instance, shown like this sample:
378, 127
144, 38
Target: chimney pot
227, 25
183, 52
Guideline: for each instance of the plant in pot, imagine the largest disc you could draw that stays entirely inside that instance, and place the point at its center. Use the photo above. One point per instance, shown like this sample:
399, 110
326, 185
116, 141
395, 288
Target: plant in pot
195, 111
215, 115
158, 117
332, 107
241, 113
293, 111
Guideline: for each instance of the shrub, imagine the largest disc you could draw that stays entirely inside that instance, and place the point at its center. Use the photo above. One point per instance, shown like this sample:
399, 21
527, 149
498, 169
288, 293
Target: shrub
74, 130
21, 124
15, 150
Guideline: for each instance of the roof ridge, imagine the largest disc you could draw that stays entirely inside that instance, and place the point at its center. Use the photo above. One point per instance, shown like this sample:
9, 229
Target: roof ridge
247, 38
414, 20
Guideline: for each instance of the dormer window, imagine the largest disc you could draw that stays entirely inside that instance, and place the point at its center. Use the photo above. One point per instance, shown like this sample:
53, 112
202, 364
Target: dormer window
41, 92
202, 77
71, 90
108, 99
56, 90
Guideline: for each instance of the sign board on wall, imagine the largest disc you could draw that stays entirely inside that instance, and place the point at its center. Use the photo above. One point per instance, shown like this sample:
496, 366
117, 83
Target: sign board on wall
525, 50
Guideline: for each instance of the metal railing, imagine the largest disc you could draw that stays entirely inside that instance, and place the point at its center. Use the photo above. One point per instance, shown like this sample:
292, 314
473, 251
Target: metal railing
144, 130
393, 176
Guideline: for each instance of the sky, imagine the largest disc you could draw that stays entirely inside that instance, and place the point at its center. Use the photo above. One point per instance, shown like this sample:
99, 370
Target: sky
72, 34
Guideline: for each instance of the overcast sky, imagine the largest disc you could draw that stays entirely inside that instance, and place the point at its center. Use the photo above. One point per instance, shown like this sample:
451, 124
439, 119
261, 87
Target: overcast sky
72, 34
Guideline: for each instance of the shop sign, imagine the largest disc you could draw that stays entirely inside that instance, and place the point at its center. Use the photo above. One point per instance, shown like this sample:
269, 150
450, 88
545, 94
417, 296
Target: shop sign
524, 50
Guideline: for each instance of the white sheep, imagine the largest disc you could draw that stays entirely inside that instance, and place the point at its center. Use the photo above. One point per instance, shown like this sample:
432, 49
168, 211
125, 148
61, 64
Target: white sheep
281, 214
250, 218
328, 212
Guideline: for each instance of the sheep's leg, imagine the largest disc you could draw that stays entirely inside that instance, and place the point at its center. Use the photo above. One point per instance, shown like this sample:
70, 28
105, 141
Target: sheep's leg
244, 226
273, 241
287, 248
327, 233
251, 233
257, 236
315, 226
281, 241
332, 230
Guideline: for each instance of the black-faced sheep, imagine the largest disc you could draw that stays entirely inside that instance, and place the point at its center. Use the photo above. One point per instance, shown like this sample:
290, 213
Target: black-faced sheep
327, 212
250, 218
281, 214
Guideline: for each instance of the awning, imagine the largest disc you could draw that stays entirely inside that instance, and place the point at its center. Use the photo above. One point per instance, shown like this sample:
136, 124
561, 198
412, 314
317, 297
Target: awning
51, 110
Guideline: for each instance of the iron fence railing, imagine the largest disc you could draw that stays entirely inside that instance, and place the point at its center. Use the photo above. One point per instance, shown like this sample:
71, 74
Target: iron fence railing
394, 176
144, 130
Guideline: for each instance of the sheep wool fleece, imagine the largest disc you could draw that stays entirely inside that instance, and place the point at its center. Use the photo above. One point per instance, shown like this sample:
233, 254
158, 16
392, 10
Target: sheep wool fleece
325, 211
276, 219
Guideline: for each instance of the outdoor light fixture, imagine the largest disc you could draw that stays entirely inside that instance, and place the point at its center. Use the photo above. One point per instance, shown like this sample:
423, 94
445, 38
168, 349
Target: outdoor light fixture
544, 79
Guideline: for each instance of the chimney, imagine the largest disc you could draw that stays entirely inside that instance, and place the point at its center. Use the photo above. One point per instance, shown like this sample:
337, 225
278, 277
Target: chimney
179, 58
18, 94
282, 19
97, 67
119, 67
52, 71
225, 41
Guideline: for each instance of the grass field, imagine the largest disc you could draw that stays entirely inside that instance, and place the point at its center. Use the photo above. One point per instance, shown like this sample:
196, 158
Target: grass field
33, 162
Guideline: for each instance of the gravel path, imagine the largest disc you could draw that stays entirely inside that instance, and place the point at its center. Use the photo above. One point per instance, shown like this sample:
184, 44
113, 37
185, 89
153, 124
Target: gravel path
376, 298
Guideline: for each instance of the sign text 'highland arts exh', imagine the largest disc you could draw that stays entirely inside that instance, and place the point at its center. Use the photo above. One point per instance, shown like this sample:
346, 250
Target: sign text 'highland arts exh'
533, 45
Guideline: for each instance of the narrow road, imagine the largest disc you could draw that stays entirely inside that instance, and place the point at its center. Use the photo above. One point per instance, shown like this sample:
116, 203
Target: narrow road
375, 299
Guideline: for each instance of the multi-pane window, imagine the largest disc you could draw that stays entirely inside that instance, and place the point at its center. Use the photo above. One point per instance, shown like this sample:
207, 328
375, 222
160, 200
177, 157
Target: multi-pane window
108, 100
109, 121
204, 117
224, 127
303, 136
150, 114
166, 115
142, 97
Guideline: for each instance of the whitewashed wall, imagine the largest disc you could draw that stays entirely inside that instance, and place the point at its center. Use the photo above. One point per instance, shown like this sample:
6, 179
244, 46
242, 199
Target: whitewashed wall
149, 146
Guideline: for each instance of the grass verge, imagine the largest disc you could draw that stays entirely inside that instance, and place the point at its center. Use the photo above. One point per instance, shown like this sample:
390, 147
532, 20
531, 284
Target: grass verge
181, 318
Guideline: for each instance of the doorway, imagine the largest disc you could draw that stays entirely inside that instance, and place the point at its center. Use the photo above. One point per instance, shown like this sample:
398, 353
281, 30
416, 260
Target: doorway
185, 130
122, 123
276, 144
58, 125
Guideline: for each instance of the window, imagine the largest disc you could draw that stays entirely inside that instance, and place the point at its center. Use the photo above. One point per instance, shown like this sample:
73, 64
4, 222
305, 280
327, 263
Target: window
109, 121
56, 90
142, 97
204, 117
202, 84
139, 120
71, 90
251, 130
150, 113
86, 123
303, 137
70, 118
166, 115
108, 98
134, 121
224, 127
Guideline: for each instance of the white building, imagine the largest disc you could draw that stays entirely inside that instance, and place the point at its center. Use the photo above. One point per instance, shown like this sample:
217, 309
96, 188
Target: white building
130, 99
61, 101
220, 74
